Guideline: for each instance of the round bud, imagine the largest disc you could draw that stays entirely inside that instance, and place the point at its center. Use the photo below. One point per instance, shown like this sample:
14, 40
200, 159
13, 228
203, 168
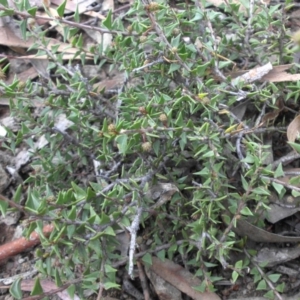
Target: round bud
163, 118
21, 85
111, 128
176, 31
143, 39
174, 50
142, 110
129, 28
146, 147
153, 6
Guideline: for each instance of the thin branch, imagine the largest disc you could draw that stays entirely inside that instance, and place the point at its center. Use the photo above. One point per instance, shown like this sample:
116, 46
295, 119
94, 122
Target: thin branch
264, 276
143, 280
26, 15
133, 232
287, 158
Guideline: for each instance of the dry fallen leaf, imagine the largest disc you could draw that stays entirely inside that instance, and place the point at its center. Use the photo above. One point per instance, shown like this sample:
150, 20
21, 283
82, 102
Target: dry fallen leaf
254, 233
276, 74
180, 278
275, 256
9, 39
48, 286
254, 74
293, 130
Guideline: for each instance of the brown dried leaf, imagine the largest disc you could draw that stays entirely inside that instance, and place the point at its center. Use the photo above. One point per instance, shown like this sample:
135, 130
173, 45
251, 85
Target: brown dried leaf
275, 256
180, 278
8, 38
254, 233
293, 130
48, 286
163, 289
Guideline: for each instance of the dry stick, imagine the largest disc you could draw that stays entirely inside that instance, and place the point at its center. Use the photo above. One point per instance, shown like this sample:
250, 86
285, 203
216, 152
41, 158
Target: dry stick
289, 186
267, 280
13, 204
289, 157
143, 280
26, 285
217, 71
101, 288
17, 246
70, 23
133, 231
161, 34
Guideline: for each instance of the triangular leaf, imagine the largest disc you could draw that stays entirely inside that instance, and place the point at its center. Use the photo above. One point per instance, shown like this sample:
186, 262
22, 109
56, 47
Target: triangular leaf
61, 9
37, 288
108, 21
15, 289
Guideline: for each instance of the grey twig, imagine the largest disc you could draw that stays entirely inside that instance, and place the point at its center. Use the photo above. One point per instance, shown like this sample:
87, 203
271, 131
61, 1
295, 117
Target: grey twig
133, 232
155, 62
289, 157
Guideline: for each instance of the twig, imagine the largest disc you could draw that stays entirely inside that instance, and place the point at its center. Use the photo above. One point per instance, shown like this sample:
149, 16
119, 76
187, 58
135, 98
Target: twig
133, 232
214, 39
101, 288
19, 245
262, 113
155, 62
13, 204
143, 281
238, 149
26, 15
264, 276
289, 186
289, 157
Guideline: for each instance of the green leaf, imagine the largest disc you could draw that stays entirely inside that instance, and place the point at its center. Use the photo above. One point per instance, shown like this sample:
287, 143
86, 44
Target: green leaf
235, 275
296, 146
279, 171
37, 288
147, 258
262, 285
3, 207
76, 15
200, 288
174, 67
109, 231
121, 141
71, 290
278, 187
108, 21
7, 12
208, 154
261, 191
274, 277
32, 11
295, 180
161, 255
61, 9
18, 194
23, 27
80, 193
280, 287
58, 281
4, 3
109, 269
72, 213
269, 295
111, 285
244, 183
15, 289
